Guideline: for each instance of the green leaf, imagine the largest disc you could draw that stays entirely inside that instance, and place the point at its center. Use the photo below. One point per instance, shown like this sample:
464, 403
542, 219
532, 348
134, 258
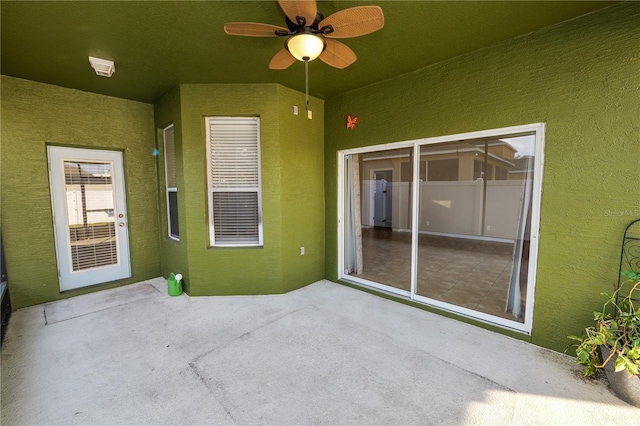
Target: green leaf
590, 370
623, 363
620, 363
583, 357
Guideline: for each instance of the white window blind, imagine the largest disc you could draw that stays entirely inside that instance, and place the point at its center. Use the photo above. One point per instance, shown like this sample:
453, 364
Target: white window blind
90, 207
233, 158
171, 185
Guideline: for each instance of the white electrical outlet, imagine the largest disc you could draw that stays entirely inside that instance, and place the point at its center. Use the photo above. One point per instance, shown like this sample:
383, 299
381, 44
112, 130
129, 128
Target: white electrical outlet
301, 251
427, 223
488, 228
309, 115
295, 110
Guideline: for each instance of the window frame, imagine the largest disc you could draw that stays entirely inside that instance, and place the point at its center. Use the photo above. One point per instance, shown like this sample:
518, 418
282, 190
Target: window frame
208, 120
539, 129
170, 189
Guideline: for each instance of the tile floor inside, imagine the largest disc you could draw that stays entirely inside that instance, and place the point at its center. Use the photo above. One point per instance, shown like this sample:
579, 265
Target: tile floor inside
473, 274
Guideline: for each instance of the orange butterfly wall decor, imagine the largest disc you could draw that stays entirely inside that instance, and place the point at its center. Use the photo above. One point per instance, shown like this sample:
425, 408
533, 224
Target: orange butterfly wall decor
351, 122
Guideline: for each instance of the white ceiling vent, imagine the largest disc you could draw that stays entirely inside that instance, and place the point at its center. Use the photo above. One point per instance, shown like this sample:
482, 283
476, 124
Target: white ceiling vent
103, 67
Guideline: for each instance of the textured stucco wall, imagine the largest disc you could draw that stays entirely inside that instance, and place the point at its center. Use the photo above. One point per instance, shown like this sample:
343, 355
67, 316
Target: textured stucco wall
290, 160
34, 114
173, 253
582, 78
302, 189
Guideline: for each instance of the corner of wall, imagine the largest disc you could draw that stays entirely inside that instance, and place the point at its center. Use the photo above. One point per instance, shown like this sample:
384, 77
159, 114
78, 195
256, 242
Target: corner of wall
302, 196
174, 255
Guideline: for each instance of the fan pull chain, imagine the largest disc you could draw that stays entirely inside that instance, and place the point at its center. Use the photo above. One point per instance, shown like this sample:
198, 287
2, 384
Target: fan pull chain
306, 83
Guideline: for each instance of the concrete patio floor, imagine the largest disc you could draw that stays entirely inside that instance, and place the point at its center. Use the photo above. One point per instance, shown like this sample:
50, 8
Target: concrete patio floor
324, 354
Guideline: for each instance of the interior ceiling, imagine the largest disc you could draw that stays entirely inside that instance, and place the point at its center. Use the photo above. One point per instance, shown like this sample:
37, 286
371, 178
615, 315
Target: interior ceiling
158, 44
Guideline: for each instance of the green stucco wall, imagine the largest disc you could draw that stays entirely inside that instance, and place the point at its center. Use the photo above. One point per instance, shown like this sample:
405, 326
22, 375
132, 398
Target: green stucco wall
582, 78
292, 190
34, 114
302, 189
173, 253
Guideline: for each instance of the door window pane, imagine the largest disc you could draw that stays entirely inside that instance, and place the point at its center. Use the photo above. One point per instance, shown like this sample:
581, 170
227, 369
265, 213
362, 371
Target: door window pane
473, 242
90, 201
174, 229
378, 212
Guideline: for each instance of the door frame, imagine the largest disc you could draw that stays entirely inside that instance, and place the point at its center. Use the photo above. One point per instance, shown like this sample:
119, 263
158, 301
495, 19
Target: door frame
386, 203
69, 279
536, 200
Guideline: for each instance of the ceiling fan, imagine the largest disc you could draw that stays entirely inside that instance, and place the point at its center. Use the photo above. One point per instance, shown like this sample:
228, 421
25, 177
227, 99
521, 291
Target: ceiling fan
310, 35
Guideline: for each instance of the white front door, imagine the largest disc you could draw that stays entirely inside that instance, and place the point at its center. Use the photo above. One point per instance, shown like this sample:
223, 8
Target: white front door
90, 216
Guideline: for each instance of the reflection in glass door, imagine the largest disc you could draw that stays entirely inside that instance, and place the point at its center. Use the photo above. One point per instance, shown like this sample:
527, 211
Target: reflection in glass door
378, 211
475, 201
472, 213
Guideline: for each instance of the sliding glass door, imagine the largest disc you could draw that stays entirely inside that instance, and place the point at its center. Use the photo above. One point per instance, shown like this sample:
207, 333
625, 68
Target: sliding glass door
450, 222
377, 187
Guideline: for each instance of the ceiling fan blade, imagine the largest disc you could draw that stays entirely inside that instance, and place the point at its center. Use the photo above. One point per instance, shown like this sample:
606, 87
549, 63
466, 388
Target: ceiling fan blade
354, 22
304, 8
337, 54
281, 60
252, 29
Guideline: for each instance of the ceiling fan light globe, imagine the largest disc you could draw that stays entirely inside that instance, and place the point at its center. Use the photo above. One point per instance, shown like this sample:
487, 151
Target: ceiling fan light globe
305, 47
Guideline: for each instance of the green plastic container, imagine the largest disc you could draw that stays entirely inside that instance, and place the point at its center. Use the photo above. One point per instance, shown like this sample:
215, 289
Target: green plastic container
175, 284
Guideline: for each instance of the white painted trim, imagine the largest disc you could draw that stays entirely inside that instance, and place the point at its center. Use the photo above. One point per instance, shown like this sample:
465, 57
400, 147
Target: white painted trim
454, 309
68, 278
513, 131
415, 216
448, 151
393, 291
341, 183
475, 315
535, 221
166, 178
381, 147
212, 242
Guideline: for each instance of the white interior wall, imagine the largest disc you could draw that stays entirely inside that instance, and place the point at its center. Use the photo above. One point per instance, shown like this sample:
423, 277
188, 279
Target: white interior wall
453, 207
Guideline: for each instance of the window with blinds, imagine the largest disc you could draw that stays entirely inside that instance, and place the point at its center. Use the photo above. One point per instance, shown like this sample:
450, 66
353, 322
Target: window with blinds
234, 187
90, 209
171, 185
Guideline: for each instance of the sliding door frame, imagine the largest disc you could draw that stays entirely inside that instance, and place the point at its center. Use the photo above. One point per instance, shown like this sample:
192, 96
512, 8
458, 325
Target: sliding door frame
538, 129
